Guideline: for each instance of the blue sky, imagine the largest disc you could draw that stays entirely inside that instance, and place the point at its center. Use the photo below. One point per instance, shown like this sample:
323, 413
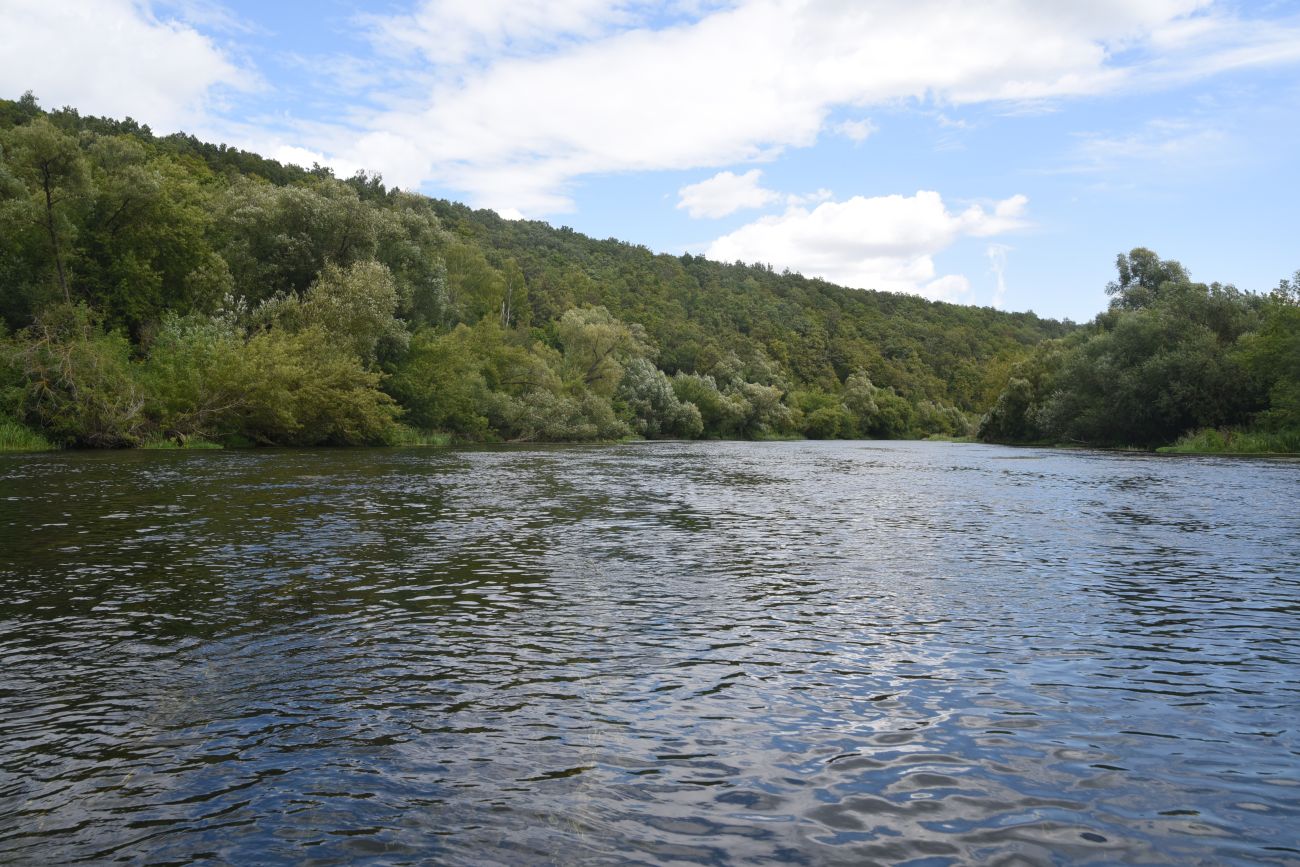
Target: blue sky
996, 153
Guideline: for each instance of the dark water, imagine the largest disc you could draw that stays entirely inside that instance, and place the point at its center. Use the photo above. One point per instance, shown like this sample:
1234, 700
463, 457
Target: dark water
678, 653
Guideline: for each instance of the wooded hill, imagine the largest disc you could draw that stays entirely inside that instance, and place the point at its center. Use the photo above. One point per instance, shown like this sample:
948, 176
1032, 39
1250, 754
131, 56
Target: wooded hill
159, 288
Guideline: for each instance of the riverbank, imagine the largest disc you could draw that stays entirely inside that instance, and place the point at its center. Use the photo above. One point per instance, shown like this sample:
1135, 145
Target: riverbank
16, 438
1230, 442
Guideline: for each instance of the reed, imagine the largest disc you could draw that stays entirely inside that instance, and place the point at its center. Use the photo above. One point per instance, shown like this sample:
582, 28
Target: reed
15, 437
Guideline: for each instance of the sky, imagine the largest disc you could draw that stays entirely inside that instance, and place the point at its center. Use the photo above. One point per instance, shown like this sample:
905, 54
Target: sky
998, 153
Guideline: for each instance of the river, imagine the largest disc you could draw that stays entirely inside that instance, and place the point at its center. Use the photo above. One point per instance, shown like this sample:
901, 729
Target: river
716, 653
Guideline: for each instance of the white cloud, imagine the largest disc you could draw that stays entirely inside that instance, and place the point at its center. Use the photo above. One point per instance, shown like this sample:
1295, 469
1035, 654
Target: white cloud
448, 32
725, 193
1189, 48
950, 287
209, 14
583, 92
115, 58
857, 131
510, 103
297, 156
884, 242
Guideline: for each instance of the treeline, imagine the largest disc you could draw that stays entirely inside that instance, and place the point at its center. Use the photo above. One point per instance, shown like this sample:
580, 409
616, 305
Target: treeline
160, 289
1210, 366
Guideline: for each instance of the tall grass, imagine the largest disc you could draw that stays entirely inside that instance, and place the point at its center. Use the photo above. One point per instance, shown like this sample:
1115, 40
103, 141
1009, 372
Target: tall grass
409, 436
17, 438
1228, 441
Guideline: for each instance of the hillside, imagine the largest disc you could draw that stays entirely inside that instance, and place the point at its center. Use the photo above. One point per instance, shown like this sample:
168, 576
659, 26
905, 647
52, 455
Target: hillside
159, 288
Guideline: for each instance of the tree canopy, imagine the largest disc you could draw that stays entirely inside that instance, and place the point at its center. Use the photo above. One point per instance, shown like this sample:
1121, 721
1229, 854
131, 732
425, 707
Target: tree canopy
159, 286
1170, 356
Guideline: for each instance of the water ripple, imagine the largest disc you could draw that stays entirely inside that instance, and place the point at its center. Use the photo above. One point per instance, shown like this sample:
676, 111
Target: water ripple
809, 653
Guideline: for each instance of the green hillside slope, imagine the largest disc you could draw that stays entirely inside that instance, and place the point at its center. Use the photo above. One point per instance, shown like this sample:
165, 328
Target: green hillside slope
158, 288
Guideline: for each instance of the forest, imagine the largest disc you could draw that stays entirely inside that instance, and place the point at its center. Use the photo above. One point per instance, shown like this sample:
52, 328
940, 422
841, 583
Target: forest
161, 291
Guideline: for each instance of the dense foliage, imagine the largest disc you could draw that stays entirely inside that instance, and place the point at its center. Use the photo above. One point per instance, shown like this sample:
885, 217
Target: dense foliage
160, 289
1171, 357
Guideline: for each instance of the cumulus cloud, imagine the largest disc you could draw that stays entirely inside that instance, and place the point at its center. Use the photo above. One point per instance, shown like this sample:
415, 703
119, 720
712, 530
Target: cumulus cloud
882, 242
587, 92
292, 155
511, 103
725, 193
116, 58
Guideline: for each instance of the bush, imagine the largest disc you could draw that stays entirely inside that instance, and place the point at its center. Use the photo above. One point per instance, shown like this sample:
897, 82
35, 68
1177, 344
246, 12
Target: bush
654, 407
547, 416
196, 378
301, 390
76, 384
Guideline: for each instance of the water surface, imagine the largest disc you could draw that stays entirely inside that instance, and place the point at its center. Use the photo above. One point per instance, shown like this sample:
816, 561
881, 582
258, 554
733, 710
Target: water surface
719, 653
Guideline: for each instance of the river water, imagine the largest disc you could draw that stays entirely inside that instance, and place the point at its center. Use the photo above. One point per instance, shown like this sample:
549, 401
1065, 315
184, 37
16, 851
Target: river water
719, 653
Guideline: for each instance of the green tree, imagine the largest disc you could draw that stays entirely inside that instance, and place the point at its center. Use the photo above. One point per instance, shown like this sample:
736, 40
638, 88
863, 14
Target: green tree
144, 247
357, 306
410, 241
441, 384
1159, 363
54, 170
1273, 356
596, 346
301, 391
279, 239
474, 288
721, 414
548, 416
654, 407
1143, 279
823, 416
196, 378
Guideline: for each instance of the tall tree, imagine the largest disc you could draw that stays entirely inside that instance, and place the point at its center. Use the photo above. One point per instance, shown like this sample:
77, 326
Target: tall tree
54, 169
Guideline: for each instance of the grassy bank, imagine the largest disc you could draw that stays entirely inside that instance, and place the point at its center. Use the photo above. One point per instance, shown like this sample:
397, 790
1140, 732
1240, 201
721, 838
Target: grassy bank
409, 436
1229, 441
17, 438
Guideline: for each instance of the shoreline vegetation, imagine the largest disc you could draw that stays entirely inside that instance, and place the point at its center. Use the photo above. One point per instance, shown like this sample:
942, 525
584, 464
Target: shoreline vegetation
160, 292
1232, 444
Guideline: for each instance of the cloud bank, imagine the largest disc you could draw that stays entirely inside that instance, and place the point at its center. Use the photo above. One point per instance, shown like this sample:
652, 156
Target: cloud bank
115, 58
742, 83
882, 242
510, 103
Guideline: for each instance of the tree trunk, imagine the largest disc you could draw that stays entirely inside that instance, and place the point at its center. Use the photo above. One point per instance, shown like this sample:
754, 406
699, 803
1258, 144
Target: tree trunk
54, 234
